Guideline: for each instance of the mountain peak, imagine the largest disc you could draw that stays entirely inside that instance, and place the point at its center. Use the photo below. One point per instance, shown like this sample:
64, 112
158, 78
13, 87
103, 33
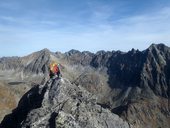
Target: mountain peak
73, 51
45, 50
158, 46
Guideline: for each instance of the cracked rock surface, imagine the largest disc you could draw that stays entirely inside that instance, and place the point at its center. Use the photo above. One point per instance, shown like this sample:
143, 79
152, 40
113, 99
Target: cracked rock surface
60, 104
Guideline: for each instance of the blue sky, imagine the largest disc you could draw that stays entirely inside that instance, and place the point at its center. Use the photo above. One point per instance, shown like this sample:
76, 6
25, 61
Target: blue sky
60, 25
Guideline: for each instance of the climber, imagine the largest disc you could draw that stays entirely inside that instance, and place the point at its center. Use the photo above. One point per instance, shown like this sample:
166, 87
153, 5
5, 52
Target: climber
54, 69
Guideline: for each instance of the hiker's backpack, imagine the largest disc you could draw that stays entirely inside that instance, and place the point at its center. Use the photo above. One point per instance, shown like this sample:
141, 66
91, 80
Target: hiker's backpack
54, 68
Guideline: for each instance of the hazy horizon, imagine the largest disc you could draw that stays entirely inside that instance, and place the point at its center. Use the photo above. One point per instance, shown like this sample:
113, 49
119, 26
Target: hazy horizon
79, 50
84, 25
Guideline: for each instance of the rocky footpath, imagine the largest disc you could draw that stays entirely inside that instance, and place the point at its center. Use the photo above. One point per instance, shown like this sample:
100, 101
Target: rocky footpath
58, 103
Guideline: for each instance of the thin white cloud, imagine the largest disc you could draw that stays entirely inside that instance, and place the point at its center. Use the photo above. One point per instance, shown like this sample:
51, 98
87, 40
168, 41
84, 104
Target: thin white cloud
100, 33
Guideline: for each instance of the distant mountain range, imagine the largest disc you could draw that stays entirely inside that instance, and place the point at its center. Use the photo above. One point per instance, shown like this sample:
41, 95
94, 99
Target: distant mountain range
134, 85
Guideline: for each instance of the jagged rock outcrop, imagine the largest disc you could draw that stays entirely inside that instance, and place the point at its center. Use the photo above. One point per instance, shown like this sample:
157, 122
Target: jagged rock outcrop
74, 57
60, 104
156, 70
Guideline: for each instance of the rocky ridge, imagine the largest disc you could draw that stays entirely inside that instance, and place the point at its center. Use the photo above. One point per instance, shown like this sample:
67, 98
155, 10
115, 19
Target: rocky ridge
58, 103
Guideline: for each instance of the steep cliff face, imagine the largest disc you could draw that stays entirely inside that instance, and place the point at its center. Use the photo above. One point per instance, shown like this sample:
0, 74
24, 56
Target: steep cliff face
124, 68
59, 103
143, 78
156, 70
